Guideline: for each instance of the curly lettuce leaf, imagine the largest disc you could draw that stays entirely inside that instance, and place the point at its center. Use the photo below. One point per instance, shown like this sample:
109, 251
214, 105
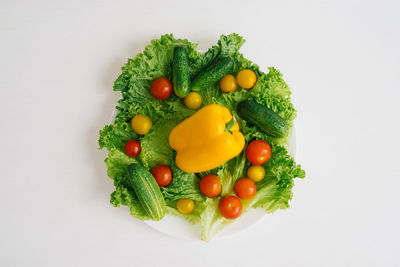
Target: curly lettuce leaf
123, 196
115, 136
275, 190
184, 185
155, 145
117, 163
194, 217
272, 91
211, 219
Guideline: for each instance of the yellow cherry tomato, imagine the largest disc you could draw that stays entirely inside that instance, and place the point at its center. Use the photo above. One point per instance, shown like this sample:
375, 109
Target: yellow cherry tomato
141, 124
256, 173
246, 78
193, 100
228, 83
185, 205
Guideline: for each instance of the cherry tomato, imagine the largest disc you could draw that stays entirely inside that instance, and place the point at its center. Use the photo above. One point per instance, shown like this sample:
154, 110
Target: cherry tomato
141, 124
228, 83
132, 148
245, 188
258, 152
210, 185
185, 205
193, 100
246, 78
256, 173
161, 88
163, 175
230, 207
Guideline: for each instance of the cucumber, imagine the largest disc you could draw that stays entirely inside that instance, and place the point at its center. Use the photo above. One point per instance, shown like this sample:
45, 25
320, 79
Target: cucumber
147, 191
212, 73
263, 117
180, 72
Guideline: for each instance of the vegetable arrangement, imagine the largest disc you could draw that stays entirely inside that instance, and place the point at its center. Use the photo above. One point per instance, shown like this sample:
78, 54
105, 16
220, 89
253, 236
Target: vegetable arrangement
202, 136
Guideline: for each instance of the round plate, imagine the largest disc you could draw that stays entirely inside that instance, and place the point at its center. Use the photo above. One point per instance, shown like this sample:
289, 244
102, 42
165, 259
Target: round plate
178, 227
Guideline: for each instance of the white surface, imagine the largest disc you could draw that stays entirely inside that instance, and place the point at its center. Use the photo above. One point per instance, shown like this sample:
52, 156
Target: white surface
58, 61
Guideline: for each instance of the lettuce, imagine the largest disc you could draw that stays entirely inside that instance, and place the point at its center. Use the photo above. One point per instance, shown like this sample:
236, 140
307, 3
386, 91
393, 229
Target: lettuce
273, 192
115, 136
155, 146
117, 163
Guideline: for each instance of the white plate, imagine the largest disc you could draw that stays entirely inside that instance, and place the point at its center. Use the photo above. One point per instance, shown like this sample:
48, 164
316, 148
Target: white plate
178, 227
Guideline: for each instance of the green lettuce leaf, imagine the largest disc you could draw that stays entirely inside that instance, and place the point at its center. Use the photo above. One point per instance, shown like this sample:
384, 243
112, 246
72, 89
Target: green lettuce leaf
211, 219
272, 91
194, 217
123, 196
117, 163
155, 145
275, 190
115, 136
184, 185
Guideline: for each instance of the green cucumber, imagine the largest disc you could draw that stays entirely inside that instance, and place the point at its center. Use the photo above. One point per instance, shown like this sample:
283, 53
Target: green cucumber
263, 117
212, 73
180, 72
147, 191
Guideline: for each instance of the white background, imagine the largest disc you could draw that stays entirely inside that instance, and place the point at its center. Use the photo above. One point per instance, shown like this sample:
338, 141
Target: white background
58, 61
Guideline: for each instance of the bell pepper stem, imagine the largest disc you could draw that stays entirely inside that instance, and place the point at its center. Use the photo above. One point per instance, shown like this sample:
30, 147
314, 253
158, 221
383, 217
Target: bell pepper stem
230, 124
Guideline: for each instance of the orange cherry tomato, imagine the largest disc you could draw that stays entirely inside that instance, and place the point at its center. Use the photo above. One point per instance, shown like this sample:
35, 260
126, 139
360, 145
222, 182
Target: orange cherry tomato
210, 185
245, 188
161, 88
258, 152
230, 207
132, 148
163, 175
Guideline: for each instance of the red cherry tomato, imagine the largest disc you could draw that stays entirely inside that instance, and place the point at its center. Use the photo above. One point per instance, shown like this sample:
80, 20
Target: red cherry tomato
161, 88
132, 148
230, 207
163, 175
245, 188
258, 152
210, 185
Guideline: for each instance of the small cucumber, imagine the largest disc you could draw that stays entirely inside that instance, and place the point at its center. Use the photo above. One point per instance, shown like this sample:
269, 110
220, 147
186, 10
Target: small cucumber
263, 117
147, 191
180, 72
212, 73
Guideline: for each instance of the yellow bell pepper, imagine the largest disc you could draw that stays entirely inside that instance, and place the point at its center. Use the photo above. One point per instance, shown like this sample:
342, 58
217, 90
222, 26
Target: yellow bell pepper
202, 141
